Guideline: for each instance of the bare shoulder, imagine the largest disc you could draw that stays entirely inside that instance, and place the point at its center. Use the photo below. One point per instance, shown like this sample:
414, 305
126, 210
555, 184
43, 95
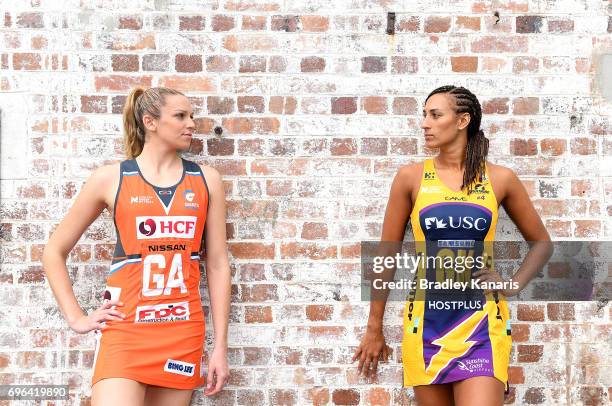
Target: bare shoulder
105, 176
410, 172
212, 176
500, 173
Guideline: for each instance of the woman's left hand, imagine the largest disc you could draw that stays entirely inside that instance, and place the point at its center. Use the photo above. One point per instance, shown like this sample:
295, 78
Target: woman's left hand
218, 372
488, 276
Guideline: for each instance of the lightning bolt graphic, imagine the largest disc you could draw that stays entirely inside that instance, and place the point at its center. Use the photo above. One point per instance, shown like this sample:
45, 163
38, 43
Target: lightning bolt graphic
453, 344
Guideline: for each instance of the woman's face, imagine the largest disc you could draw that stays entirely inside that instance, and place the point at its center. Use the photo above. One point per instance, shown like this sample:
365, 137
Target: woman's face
441, 125
175, 125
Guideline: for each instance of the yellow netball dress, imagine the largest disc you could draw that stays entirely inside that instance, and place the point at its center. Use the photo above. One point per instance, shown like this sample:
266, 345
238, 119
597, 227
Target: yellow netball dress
445, 339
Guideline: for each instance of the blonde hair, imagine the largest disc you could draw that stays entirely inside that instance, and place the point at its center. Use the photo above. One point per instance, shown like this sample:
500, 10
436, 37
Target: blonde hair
139, 102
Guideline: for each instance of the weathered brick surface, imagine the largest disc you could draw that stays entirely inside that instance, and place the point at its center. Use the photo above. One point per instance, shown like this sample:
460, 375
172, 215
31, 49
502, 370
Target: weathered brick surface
319, 107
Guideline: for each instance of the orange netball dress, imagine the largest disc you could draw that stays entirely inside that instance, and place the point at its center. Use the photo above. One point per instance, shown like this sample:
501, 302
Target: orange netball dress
155, 273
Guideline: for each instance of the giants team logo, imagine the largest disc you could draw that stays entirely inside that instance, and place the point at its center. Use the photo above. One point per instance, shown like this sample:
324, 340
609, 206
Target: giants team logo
179, 367
162, 313
189, 195
165, 226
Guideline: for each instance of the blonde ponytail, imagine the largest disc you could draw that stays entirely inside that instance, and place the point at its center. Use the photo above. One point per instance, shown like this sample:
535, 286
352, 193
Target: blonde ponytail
139, 102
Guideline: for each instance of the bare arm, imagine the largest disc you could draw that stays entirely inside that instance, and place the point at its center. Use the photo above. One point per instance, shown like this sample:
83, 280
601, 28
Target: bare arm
86, 208
520, 209
399, 206
219, 279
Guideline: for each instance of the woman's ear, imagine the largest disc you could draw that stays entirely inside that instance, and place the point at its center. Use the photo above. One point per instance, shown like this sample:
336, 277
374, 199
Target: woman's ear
150, 122
464, 120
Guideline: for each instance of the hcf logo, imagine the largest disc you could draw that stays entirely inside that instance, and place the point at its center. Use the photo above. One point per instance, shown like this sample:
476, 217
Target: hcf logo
165, 226
465, 222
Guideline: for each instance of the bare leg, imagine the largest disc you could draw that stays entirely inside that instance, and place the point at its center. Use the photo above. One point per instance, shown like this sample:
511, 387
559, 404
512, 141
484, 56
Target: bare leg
118, 391
157, 396
479, 391
434, 395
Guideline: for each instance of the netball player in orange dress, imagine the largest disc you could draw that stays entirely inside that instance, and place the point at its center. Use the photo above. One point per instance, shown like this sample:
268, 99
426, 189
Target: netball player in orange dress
150, 325
455, 355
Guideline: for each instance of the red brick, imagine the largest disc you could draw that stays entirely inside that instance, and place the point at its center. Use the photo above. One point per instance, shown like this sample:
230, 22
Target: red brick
123, 84
379, 396
343, 146
374, 105
251, 250
553, 146
30, 20
319, 312
7, 20
520, 332
528, 24
277, 64
156, 62
189, 83
220, 105
374, 146
583, 146
27, 61
525, 64
403, 146
251, 5
312, 64
204, 125
286, 23
529, 353
345, 397
526, 105
318, 396
587, 228
259, 292
308, 250
93, 104
560, 26
406, 23
282, 397
220, 63
530, 312
250, 64
464, 63
560, 311
256, 356
344, 105
405, 106
191, 23
437, 24
130, 23
404, 64
258, 314
498, 105
374, 64
220, 146
253, 23
222, 22
314, 231
464, 23
188, 63
282, 105
314, 23
287, 356
255, 125
125, 63
250, 104
500, 44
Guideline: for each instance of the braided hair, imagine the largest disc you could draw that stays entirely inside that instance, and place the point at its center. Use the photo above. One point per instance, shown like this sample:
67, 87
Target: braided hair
477, 144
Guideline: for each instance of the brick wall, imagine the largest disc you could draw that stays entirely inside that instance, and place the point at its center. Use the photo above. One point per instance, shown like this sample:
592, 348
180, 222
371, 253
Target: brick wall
319, 107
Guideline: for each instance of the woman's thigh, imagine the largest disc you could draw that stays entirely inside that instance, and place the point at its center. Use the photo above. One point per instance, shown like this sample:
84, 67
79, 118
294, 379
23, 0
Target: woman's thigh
479, 391
434, 395
158, 396
118, 391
